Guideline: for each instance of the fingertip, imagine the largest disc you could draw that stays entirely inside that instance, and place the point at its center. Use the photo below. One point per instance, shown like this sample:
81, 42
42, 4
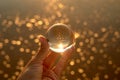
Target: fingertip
42, 52
44, 44
42, 38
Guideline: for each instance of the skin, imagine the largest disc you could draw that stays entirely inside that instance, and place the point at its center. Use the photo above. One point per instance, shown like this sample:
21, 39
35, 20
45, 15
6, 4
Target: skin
41, 66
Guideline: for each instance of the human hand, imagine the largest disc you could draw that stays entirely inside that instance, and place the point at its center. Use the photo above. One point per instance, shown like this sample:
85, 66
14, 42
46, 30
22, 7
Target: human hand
41, 66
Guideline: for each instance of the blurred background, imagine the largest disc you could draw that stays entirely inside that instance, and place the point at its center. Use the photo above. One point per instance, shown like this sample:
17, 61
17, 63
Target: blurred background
96, 26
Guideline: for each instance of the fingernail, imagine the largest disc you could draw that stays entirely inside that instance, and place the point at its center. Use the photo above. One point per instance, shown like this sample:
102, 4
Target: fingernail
42, 38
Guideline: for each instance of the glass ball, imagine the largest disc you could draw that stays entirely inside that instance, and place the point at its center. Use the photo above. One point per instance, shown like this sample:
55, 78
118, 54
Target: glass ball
60, 37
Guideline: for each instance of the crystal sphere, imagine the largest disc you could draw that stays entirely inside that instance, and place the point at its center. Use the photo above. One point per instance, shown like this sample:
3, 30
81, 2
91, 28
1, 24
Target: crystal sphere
60, 37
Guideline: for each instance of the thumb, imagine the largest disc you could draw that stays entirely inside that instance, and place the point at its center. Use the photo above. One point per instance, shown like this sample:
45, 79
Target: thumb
33, 69
42, 52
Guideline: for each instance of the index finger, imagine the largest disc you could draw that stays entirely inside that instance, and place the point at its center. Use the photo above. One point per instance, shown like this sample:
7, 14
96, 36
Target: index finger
63, 60
42, 52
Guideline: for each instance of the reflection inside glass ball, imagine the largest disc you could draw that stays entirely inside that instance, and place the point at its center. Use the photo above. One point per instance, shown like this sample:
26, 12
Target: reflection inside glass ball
60, 37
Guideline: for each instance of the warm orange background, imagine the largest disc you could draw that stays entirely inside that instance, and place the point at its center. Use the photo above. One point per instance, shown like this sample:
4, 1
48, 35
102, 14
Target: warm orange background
96, 24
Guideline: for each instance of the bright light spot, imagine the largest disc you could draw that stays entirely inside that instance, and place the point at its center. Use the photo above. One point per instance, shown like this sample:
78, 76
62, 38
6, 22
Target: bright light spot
18, 42
40, 22
32, 20
60, 5
72, 63
29, 25
80, 70
60, 46
1, 45
36, 40
76, 35
72, 72
106, 76
21, 49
